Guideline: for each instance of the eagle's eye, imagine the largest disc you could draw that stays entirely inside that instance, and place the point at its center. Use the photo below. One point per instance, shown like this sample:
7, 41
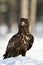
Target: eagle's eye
23, 23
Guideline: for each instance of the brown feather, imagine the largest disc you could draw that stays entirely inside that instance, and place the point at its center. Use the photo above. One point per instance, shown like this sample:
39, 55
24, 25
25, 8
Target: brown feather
21, 42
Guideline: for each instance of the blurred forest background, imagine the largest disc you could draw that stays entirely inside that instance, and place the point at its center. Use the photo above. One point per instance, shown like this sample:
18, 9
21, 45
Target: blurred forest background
12, 10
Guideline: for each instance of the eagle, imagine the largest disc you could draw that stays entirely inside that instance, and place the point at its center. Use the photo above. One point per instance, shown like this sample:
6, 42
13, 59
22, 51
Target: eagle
21, 42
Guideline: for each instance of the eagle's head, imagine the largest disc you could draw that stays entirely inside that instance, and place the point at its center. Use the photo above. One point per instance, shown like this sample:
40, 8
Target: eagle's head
24, 25
24, 22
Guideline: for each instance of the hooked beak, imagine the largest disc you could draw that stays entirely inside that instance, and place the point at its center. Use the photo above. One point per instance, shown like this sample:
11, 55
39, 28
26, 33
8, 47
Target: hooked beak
22, 23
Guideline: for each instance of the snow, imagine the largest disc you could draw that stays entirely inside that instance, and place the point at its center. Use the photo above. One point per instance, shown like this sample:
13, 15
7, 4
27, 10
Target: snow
20, 61
33, 57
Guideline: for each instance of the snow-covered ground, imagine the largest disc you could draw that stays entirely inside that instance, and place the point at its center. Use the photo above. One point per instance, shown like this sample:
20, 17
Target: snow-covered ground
21, 61
33, 57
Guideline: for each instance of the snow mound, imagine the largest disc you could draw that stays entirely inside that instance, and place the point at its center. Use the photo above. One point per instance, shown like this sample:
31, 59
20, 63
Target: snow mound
20, 61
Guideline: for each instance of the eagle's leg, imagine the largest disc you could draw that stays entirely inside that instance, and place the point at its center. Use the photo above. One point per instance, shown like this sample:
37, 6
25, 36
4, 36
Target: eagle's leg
23, 52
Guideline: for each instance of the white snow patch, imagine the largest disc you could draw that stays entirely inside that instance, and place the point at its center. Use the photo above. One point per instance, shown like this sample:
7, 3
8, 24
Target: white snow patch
18, 63
2, 64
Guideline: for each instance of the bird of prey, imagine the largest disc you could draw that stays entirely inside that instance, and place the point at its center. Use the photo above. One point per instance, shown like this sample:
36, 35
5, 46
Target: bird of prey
21, 42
